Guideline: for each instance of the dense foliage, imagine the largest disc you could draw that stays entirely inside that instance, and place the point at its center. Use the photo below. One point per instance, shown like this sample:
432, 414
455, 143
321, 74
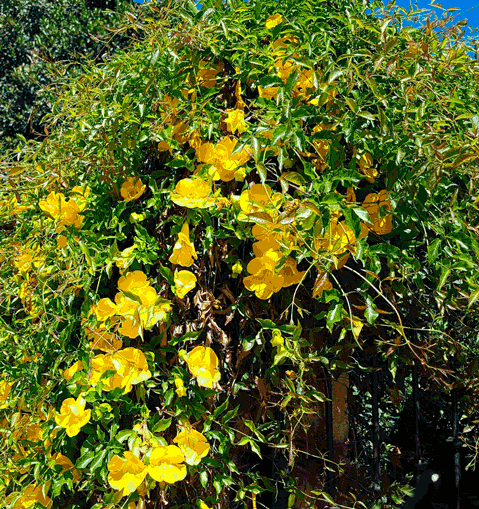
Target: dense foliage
36, 35
253, 206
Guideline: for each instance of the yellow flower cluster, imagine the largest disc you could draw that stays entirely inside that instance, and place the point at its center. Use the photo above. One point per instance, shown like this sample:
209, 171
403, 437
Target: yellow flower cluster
224, 164
129, 367
66, 212
136, 305
166, 463
274, 242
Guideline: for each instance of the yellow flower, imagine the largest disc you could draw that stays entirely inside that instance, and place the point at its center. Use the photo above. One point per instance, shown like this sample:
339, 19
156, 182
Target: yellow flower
104, 309
222, 203
73, 415
193, 193
32, 495
237, 268
338, 239
75, 368
268, 92
203, 365
183, 251
224, 163
127, 307
126, 473
54, 204
150, 316
366, 166
184, 282
263, 280
134, 282
277, 339
290, 374
166, 464
66, 464
235, 121
130, 328
290, 273
4, 392
285, 69
180, 388
62, 242
240, 175
131, 366
273, 20
137, 218
132, 189
67, 213
281, 44
372, 203
350, 195
193, 444
259, 198
277, 236
99, 365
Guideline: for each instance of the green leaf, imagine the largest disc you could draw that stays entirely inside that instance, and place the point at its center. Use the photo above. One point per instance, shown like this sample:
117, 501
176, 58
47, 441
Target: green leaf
256, 147
230, 415
255, 448
85, 460
166, 273
353, 105
334, 75
220, 409
261, 168
370, 314
161, 425
362, 214
368, 115
279, 133
352, 221
445, 271
204, 478
473, 298
334, 314
244, 440
98, 460
294, 178
433, 250
154, 57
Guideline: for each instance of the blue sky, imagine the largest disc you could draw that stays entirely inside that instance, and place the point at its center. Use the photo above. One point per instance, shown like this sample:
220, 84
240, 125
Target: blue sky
471, 6
469, 10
